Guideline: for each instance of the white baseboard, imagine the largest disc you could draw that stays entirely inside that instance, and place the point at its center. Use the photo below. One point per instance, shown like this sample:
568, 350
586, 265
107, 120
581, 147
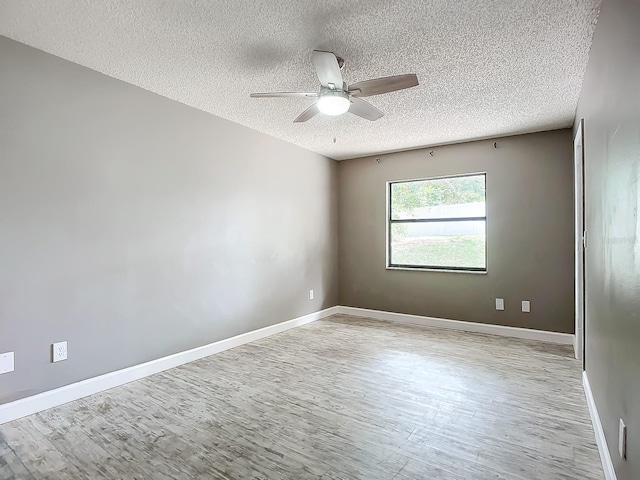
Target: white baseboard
52, 398
526, 333
605, 457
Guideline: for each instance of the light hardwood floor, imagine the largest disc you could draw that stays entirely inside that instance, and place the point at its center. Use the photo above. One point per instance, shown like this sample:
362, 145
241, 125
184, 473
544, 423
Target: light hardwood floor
341, 398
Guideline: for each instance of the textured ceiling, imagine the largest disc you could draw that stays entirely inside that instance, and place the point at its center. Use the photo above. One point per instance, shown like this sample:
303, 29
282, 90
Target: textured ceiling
486, 68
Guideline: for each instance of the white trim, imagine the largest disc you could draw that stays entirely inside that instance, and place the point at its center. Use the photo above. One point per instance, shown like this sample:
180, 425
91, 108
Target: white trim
530, 334
579, 231
59, 396
605, 457
577, 352
53, 398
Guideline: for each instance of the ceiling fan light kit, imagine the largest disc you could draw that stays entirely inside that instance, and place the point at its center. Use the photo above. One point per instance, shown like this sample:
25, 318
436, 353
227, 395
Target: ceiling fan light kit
335, 98
334, 103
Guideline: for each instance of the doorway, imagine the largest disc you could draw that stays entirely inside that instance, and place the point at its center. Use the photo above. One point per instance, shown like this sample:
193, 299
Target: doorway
580, 242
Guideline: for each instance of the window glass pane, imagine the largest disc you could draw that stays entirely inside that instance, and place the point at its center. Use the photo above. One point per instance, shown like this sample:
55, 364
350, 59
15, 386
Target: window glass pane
455, 197
440, 244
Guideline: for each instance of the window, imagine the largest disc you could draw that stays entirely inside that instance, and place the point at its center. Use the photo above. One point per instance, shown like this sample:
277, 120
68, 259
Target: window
438, 224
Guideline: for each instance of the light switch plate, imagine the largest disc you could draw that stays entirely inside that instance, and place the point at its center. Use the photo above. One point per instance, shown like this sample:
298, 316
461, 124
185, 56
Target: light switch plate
526, 306
7, 362
59, 352
622, 440
499, 303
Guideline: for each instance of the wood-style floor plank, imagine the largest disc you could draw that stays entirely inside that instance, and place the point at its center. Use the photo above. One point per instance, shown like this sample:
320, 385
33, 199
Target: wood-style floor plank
341, 398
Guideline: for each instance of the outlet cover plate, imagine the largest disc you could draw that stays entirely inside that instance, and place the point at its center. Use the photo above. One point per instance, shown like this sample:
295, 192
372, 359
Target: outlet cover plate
59, 352
622, 440
499, 303
7, 362
310, 294
526, 306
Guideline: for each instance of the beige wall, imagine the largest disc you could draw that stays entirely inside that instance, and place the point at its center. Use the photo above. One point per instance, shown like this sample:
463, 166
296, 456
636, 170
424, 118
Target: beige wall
610, 106
135, 227
529, 223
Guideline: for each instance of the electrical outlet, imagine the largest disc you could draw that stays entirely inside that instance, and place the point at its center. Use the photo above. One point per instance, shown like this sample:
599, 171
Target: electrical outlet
59, 352
622, 440
310, 294
526, 306
499, 303
7, 362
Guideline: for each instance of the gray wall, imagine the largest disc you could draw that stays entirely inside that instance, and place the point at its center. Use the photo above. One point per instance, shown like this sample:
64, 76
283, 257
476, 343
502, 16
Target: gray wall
134, 227
610, 106
529, 223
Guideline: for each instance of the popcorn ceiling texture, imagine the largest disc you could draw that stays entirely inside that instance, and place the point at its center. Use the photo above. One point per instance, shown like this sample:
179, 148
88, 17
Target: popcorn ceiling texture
486, 68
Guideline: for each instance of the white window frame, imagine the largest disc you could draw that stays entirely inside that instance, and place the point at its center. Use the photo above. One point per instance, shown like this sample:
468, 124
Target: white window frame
389, 222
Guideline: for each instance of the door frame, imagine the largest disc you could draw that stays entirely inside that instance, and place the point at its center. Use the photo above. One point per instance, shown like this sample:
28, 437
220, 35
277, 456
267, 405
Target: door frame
580, 242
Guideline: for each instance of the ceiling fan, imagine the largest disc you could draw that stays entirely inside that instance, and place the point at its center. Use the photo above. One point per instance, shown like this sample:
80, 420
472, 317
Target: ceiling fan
335, 98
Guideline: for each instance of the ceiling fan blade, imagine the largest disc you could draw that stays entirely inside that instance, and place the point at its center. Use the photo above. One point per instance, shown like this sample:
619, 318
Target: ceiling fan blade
310, 112
283, 94
327, 69
383, 85
364, 109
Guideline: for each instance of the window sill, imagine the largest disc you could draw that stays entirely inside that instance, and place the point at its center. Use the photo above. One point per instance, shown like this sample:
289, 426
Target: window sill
473, 272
